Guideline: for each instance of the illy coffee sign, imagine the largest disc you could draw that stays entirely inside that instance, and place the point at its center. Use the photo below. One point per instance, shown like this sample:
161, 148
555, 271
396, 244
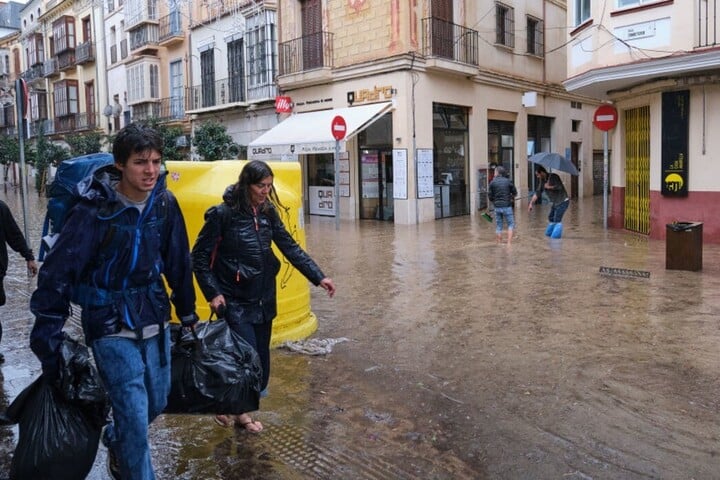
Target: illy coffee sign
283, 104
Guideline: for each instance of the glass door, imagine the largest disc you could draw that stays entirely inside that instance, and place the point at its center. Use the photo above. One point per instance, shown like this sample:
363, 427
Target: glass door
376, 184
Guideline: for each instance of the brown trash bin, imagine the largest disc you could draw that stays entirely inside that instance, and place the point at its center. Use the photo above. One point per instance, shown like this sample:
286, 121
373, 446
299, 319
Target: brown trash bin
683, 246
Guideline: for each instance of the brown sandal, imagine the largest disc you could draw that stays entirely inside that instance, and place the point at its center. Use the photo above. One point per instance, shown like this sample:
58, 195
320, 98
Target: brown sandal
226, 421
249, 425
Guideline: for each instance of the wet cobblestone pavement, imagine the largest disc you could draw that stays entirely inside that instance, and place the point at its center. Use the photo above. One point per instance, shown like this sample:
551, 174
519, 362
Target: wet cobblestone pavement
465, 360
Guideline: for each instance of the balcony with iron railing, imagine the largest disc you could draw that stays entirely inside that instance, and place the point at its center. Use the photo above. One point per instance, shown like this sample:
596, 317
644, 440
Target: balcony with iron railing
42, 127
33, 73
449, 41
8, 130
310, 52
66, 60
148, 14
165, 110
170, 29
50, 68
85, 53
229, 92
144, 39
145, 111
76, 122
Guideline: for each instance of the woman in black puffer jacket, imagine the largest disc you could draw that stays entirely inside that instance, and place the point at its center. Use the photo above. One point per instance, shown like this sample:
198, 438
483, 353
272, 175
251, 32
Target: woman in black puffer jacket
235, 265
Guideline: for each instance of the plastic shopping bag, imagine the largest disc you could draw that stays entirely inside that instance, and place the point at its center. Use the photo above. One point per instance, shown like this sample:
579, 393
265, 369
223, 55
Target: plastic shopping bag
213, 371
60, 420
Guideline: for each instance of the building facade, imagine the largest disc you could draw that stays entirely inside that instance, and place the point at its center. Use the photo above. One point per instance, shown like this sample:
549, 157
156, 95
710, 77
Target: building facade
656, 63
233, 67
459, 87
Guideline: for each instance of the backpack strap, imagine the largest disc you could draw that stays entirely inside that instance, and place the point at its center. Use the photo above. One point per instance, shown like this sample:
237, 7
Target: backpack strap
225, 213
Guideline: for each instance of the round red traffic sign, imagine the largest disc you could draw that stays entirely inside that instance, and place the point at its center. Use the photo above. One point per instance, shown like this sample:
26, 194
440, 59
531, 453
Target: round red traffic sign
605, 117
338, 127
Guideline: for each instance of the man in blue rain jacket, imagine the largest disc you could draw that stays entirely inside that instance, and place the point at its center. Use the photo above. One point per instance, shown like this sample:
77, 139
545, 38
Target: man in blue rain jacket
124, 235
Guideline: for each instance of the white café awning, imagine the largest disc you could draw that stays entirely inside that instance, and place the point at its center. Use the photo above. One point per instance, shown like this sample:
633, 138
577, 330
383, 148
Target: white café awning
305, 133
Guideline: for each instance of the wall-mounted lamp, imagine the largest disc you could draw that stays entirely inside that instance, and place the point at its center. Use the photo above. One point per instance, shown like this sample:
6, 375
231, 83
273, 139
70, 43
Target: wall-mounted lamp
350, 98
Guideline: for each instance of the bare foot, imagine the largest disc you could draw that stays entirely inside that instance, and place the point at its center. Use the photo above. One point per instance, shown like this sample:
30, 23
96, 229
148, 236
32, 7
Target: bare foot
224, 420
245, 421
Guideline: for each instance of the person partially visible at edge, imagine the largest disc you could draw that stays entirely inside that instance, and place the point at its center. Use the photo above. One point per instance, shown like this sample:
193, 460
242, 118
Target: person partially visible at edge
541, 176
559, 202
125, 234
502, 193
11, 235
239, 277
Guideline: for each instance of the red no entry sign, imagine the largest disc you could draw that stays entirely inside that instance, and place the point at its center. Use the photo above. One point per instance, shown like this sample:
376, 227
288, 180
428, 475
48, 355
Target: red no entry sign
338, 127
605, 117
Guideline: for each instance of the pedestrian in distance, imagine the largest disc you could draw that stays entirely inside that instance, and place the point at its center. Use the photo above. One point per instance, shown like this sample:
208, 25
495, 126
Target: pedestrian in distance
541, 176
10, 235
235, 266
119, 241
502, 192
559, 202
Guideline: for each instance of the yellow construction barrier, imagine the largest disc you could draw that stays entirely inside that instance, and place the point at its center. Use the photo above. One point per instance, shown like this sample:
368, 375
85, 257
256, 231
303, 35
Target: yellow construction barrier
200, 185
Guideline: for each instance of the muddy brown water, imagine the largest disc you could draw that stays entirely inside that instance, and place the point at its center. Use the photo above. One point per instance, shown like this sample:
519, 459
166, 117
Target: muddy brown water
465, 360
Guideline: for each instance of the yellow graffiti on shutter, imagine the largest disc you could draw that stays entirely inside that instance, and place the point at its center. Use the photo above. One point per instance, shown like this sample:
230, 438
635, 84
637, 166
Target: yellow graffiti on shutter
637, 170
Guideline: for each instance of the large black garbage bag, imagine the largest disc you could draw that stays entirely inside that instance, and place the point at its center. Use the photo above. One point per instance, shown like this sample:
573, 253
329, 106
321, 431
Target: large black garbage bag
60, 420
213, 371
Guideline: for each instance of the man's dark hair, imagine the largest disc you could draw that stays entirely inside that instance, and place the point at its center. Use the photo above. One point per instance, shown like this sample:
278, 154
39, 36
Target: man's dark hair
135, 138
540, 169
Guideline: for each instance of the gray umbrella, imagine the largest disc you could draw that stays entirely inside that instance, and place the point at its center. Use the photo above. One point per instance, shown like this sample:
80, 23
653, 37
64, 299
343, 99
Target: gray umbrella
554, 161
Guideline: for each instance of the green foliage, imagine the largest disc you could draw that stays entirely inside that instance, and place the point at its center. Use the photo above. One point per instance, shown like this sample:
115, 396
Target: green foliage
213, 143
85, 144
43, 154
9, 149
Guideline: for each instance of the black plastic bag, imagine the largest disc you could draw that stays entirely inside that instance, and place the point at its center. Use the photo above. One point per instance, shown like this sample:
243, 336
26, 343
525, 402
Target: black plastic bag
213, 371
60, 420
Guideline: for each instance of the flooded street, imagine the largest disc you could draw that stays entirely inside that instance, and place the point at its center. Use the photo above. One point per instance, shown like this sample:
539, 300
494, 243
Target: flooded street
465, 360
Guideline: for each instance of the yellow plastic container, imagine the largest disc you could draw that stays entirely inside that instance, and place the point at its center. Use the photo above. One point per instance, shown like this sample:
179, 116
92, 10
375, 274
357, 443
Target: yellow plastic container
200, 185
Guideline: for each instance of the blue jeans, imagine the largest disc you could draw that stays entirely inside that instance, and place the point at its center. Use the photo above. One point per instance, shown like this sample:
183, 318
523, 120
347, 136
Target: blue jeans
508, 215
557, 212
138, 387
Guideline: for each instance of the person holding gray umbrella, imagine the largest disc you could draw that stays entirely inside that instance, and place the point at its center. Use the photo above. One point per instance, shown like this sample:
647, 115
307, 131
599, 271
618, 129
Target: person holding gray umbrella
559, 202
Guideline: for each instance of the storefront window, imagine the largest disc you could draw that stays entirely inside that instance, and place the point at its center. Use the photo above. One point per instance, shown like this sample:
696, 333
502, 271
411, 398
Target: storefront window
321, 181
451, 161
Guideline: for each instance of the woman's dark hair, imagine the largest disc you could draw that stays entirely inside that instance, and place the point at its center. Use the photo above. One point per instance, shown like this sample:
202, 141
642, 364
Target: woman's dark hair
253, 172
540, 169
135, 138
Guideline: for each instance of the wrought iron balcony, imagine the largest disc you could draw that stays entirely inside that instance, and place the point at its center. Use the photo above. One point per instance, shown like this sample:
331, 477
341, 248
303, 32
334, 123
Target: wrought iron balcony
448, 40
166, 110
33, 73
85, 53
66, 60
50, 67
306, 53
230, 91
170, 29
144, 38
